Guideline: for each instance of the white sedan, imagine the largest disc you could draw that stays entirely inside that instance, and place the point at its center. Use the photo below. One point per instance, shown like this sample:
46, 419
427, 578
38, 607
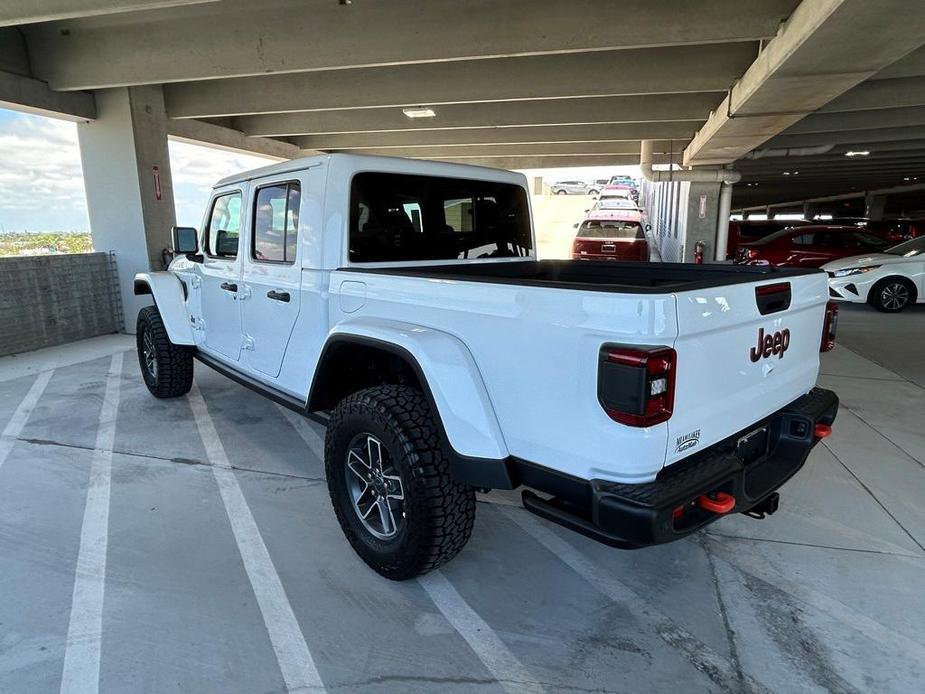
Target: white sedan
888, 281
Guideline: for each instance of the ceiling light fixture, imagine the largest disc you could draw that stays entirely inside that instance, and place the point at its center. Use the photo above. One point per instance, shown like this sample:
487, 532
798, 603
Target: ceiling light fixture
859, 153
420, 112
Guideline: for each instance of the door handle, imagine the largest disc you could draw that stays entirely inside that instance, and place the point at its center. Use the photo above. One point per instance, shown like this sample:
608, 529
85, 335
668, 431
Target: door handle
278, 296
229, 286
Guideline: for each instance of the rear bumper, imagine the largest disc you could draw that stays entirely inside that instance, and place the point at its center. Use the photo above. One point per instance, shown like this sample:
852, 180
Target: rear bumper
749, 466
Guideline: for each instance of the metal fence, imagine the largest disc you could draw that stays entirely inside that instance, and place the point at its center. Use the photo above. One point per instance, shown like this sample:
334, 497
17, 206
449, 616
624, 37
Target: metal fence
52, 299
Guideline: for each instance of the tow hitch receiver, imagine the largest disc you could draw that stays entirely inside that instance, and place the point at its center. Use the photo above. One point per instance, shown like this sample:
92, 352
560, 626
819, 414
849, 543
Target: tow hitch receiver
720, 502
765, 508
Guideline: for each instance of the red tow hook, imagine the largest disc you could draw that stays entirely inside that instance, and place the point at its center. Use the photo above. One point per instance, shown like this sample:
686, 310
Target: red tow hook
721, 502
822, 430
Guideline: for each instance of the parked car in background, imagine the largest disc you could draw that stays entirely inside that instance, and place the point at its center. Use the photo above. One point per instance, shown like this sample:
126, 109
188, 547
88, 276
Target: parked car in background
810, 246
617, 191
623, 179
895, 230
888, 281
575, 188
747, 230
614, 204
611, 235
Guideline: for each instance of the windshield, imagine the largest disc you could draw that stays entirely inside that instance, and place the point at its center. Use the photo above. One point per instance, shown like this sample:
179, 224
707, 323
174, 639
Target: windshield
907, 249
607, 229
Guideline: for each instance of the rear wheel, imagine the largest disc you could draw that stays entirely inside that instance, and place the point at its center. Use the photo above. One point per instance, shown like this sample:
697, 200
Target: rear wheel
167, 368
561, 192
892, 295
390, 484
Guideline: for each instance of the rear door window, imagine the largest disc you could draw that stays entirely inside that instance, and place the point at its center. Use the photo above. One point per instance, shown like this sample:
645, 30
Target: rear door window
276, 223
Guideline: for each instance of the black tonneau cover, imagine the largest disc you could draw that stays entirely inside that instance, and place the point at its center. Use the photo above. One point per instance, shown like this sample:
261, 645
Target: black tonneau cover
604, 276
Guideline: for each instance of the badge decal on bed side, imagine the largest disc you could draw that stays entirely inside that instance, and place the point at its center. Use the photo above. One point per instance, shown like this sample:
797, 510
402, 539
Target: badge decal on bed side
687, 441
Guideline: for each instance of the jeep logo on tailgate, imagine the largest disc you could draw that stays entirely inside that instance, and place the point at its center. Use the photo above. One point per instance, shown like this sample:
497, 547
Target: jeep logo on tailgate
776, 343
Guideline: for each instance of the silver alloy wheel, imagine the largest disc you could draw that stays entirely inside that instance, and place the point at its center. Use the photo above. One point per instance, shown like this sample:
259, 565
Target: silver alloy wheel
150, 354
894, 296
375, 487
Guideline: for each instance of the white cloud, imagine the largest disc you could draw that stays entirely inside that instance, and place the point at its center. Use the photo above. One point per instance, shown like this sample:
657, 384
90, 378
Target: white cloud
195, 169
41, 181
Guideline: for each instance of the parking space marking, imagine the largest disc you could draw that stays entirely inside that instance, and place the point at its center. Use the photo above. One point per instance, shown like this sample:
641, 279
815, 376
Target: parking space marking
292, 654
20, 416
714, 665
85, 629
488, 646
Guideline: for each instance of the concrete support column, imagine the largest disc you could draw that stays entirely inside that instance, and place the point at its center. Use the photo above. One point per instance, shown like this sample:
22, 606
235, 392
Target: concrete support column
703, 202
126, 171
874, 206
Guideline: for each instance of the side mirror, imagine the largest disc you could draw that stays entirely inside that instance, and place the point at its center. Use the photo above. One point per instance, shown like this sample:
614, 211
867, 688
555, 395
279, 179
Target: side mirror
185, 240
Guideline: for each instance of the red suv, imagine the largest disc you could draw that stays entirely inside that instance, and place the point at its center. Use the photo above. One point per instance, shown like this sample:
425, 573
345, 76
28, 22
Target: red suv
611, 235
810, 246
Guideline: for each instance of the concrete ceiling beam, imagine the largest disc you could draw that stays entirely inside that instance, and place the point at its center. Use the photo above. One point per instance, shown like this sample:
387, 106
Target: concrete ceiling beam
627, 149
859, 120
547, 162
682, 69
816, 57
868, 139
230, 140
14, 12
877, 94
611, 109
239, 37
462, 138
33, 96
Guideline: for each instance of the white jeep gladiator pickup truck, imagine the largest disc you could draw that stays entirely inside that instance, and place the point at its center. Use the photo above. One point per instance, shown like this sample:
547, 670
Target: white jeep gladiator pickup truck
401, 303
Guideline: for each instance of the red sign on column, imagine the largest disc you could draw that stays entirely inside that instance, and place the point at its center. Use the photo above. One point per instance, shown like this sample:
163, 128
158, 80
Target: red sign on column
157, 181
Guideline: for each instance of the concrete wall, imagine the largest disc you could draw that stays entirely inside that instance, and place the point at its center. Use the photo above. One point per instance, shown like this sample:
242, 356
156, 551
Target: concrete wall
680, 215
53, 299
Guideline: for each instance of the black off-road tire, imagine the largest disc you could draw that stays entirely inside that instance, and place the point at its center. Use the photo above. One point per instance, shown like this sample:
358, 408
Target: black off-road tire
173, 375
886, 295
439, 512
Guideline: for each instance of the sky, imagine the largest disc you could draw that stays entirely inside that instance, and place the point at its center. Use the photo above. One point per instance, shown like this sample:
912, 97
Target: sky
41, 182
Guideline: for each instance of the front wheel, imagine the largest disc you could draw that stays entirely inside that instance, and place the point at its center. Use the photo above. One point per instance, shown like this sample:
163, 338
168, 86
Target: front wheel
390, 483
892, 294
166, 368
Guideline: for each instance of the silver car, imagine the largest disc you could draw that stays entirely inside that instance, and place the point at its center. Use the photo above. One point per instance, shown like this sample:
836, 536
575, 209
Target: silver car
575, 188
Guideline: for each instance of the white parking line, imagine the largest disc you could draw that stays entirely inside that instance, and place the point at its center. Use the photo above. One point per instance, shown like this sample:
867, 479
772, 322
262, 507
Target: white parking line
20, 416
714, 665
85, 628
488, 646
292, 654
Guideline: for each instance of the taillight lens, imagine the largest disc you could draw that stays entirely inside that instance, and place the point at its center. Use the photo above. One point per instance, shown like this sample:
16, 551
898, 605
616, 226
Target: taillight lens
751, 254
829, 327
636, 384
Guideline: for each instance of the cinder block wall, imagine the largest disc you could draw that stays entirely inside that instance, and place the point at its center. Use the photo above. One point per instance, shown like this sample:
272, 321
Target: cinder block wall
52, 299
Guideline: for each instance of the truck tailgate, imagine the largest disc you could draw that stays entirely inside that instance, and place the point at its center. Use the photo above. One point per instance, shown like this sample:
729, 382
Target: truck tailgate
726, 381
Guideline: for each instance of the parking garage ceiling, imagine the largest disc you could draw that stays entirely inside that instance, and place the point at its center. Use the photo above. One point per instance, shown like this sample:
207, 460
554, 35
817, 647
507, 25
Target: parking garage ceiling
781, 89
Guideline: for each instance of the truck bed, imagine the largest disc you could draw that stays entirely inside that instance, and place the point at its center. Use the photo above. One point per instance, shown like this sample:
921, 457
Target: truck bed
604, 276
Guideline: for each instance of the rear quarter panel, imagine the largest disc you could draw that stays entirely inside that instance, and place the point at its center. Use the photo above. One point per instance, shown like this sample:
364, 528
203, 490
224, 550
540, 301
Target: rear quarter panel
537, 351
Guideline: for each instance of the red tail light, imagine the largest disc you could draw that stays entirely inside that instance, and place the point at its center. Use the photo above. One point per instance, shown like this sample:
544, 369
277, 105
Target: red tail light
751, 253
829, 327
636, 384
